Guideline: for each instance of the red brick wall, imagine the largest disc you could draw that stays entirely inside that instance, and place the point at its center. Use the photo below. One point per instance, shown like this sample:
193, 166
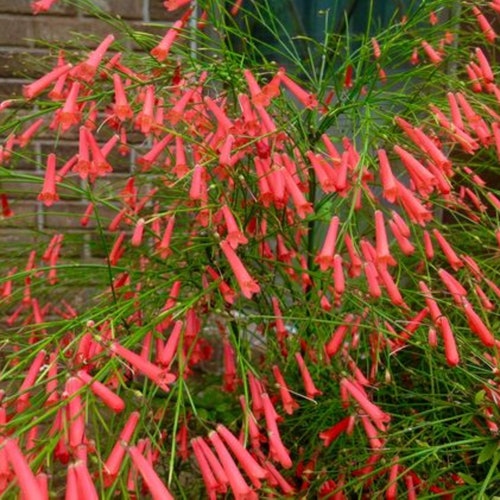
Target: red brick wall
26, 40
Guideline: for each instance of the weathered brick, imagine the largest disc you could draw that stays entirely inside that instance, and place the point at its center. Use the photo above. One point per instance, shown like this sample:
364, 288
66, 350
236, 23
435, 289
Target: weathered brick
24, 7
127, 9
25, 215
26, 188
87, 32
15, 241
16, 30
63, 215
20, 63
10, 89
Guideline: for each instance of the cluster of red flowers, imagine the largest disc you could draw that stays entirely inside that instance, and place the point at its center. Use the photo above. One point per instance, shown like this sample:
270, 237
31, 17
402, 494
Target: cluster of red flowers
239, 187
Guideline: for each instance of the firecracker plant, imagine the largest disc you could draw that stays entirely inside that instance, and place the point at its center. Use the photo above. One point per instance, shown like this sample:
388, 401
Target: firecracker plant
298, 288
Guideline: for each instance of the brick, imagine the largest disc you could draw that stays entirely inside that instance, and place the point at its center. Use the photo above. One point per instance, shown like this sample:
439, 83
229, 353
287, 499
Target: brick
24, 7
16, 30
72, 246
24, 159
25, 215
86, 32
127, 9
63, 215
16, 242
21, 63
10, 89
24, 189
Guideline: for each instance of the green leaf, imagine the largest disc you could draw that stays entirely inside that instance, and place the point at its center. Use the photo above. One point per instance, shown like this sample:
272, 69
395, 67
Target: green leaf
467, 479
487, 452
479, 397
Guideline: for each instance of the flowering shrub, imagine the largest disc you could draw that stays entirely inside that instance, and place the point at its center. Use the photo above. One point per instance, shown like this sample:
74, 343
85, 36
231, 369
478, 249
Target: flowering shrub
299, 292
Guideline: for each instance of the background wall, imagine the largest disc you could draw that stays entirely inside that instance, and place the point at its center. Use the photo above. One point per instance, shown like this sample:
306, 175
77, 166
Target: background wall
25, 42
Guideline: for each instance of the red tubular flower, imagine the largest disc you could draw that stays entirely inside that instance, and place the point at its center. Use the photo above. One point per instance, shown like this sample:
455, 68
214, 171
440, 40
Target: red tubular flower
167, 353
226, 291
404, 243
457, 291
146, 161
87, 69
301, 204
211, 483
382, 246
392, 489
70, 113
371, 433
223, 121
113, 463
121, 107
431, 53
356, 263
75, 411
25, 138
307, 99
450, 346
24, 475
156, 374
474, 120
391, 287
486, 71
22, 401
276, 447
416, 212
484, 25
108, 397
485, 301
138, 233
215, 465
241, 489
452, 258
37, 87
333, 432
198, 189
99, 166
378, 417
247, 284
376, 48
145, 120
117, 250
256, 390
234, 235
389, 185
325, 257
338, 276
85, 483
48, 194
310, 388
289, 404
253, 470
477, 326
230, 373
161, 51
171, 5
274, 475
372, 279
6, 210
325, 173
155, 485
423, 179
